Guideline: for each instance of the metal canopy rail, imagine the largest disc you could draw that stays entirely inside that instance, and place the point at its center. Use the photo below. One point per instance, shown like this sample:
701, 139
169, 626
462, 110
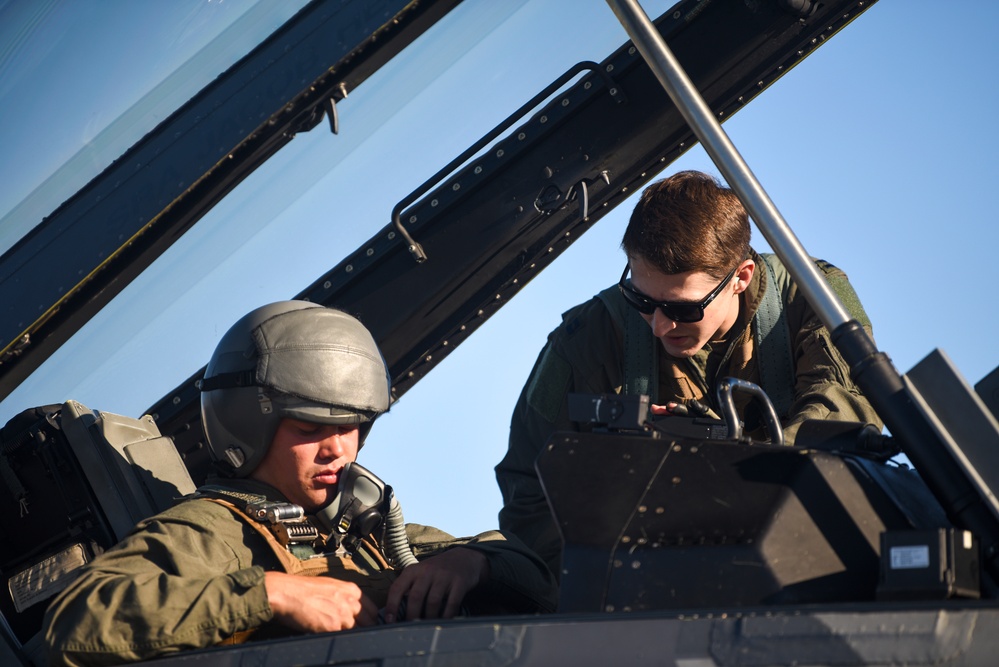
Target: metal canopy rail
494, 224
87, 251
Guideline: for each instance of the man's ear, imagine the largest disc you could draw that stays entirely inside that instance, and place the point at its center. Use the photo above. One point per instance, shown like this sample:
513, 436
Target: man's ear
744, 274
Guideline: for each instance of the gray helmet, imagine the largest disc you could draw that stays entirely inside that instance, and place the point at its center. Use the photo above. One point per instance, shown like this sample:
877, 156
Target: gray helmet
288, 359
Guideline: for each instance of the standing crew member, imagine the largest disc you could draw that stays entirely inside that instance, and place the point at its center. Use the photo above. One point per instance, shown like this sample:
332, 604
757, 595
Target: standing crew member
693, 306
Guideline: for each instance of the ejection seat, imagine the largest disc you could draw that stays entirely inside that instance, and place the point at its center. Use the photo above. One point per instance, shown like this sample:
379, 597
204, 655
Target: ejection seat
76, 481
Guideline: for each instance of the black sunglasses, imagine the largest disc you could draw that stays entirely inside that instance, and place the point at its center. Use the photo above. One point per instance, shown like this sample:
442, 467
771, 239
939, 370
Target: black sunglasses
678, 311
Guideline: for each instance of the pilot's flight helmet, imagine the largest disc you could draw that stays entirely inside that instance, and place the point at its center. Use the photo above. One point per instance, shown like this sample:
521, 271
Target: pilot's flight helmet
288, 359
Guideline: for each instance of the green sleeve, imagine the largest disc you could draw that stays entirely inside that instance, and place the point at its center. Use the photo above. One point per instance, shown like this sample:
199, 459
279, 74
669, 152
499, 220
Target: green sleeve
525, 510
582, 355
181, 580
519, 582
823, 387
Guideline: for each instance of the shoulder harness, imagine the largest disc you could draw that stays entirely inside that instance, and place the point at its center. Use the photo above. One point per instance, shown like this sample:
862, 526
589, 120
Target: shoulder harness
282, 522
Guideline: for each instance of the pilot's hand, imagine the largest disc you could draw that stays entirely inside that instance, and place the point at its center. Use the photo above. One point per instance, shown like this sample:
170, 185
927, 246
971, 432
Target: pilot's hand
435, 587
318, 604
689, 408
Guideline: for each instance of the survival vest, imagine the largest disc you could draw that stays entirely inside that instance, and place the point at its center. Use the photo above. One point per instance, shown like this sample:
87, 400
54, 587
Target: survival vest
367, 567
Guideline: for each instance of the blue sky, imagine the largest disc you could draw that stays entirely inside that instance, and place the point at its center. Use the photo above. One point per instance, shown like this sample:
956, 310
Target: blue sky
879, 150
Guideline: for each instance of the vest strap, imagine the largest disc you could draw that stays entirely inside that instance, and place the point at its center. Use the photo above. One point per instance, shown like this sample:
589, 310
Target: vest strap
641, 349
773, 343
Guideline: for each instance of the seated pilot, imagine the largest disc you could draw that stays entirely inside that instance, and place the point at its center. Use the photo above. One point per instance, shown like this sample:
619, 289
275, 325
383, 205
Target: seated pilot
288, 397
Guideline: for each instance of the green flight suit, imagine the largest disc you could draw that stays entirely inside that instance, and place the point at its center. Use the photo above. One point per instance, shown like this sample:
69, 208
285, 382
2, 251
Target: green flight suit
585, 354
193, 576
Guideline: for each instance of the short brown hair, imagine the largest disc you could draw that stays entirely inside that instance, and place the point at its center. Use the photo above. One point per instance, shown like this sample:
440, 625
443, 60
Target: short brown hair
689, 222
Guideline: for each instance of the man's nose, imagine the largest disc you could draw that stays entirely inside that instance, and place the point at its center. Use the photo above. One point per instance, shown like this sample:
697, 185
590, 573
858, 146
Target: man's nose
333, 447
661, 325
